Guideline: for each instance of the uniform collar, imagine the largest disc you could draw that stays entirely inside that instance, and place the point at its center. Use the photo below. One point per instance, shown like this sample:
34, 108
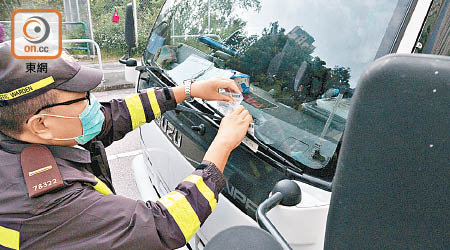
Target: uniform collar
75, 154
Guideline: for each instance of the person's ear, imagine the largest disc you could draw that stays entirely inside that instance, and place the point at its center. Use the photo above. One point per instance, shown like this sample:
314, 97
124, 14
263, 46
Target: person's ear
38, 126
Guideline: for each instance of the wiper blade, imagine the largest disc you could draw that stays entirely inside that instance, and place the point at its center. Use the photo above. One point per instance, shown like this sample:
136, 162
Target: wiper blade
161, 71
306, 178
281, 162
289, 165
190, 110
262, 145
289, 169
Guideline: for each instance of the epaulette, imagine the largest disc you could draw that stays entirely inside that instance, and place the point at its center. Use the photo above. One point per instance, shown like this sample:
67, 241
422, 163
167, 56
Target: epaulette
40, 170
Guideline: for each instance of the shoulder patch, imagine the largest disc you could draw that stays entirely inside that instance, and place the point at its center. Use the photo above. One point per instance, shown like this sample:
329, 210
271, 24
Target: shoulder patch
39, 170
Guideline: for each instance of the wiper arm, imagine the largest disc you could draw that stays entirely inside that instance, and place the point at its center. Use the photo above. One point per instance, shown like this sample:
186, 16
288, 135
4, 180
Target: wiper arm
161, 71
279, 157
275, 158
281, 162
306, 178
190, 110
290, 169
289, 165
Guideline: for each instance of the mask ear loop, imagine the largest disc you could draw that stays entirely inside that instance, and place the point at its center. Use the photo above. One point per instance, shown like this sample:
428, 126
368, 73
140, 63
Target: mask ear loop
61, 116
63, 103
66, 139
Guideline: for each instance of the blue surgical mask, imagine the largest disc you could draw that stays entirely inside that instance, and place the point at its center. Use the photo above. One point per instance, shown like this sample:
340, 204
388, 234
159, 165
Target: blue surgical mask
91, 118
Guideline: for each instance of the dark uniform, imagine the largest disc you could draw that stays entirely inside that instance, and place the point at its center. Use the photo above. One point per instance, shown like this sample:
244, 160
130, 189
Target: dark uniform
84, 213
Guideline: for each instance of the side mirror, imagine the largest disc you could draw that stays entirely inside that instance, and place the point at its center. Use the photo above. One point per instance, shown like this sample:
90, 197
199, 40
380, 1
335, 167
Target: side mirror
129, 62
131, 73
130, 36
286, 193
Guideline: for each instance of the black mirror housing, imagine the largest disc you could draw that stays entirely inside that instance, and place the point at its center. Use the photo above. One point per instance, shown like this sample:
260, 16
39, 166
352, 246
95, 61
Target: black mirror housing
130, 36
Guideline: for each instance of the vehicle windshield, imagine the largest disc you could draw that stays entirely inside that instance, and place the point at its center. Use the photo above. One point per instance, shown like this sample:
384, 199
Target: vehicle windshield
297, 62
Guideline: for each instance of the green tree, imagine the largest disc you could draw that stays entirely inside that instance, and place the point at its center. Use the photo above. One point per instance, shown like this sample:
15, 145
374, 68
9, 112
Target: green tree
340, 77
111, 36
273, 62
191, 17
8, 6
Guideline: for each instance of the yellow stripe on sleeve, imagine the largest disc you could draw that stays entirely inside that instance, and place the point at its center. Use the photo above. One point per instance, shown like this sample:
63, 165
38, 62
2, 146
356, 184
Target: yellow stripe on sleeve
182, 212
154, 103
101, 187
204, 189
136, 109
9, 238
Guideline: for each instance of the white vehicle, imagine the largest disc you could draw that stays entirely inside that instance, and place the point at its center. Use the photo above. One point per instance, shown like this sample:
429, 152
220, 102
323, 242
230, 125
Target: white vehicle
293, 51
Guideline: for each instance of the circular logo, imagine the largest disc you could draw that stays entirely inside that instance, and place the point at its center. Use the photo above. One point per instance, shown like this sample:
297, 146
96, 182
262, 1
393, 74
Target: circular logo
36, 29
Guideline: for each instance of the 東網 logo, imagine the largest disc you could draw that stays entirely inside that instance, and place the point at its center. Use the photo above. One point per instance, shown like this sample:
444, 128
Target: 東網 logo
36, 34
36, 29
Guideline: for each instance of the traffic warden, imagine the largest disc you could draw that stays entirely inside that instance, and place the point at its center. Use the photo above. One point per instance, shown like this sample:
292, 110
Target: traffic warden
55, 182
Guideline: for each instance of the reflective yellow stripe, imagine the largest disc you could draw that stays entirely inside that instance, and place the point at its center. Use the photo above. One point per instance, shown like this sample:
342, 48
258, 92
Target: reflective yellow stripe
101, 187
154, 103
9, 238
136, 109
27, 89
182, 212
205, 190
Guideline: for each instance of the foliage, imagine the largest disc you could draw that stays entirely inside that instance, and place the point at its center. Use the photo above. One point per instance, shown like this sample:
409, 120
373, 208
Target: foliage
111, 36
8, 6
184, 21
274, 60
191, 18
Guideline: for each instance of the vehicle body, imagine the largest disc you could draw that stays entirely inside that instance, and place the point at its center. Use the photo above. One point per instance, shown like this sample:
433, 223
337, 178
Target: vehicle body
298, 128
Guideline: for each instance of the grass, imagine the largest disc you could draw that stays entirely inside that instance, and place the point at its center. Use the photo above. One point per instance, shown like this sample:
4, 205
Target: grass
107, 55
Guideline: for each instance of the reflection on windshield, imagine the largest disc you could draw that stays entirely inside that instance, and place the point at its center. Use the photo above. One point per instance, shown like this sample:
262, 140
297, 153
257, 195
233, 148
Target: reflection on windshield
298, 99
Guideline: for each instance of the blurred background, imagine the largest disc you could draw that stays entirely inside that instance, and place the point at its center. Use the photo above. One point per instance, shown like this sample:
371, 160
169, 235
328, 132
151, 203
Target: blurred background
92, 19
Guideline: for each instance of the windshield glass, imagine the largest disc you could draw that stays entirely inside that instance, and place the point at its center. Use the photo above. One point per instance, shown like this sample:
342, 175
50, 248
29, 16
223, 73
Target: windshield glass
297, 62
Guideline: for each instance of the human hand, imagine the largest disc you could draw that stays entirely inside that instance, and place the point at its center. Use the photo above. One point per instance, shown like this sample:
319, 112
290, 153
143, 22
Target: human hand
209, 89
231, 132
233, 128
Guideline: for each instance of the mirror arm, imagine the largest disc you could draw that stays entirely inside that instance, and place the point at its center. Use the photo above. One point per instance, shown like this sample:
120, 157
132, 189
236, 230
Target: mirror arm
123, 59
130, 52
265, 223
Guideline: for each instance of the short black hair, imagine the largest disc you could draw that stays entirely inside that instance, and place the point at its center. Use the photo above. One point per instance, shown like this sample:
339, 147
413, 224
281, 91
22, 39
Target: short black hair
13, 116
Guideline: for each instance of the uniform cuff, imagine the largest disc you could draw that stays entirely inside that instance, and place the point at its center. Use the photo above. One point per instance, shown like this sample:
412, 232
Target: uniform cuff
166, 99
212, 175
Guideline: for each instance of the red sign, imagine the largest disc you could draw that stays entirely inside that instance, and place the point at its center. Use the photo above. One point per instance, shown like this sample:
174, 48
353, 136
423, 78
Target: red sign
115, 17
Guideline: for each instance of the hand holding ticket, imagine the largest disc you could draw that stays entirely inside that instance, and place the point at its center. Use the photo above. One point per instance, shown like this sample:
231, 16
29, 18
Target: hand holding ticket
228, 107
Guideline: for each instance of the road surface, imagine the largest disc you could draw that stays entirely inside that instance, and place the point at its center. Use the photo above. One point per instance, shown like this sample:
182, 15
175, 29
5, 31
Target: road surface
121, 153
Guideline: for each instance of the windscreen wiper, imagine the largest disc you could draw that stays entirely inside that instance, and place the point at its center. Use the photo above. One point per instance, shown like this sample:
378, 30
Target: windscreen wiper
193, 111
268, 149
159, 70
281, 162
288, 168
290, 172
180, 107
